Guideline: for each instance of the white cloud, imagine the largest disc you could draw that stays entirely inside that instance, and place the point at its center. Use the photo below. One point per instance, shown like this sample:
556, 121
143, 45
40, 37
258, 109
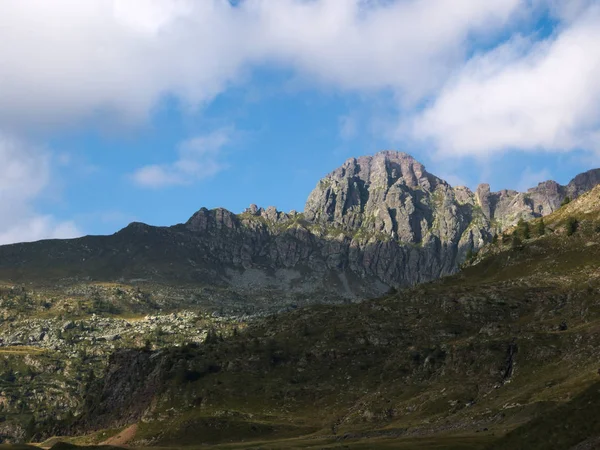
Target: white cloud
70, 60
523, 95
25, 171
567, 10
36, 227
198, 158
150, 16
408, 46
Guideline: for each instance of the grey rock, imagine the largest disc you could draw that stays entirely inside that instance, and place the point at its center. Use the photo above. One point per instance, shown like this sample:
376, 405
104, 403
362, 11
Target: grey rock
69, 325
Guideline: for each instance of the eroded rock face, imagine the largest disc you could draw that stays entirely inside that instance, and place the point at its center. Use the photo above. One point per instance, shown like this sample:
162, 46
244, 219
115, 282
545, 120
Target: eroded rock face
386, 193
583, 183
405, 224
426, 225
392, 193
381, 217
506, 207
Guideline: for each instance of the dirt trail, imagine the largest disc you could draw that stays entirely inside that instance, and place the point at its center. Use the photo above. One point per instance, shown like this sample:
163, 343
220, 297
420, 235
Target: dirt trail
123, 437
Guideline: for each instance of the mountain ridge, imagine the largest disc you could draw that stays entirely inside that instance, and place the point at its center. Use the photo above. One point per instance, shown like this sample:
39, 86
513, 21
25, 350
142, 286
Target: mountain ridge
376, 222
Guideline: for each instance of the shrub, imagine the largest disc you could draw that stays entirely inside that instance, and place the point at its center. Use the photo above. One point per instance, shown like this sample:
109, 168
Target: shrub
566, 201
470, 255
516, 241
523, 229
541, 227
572, 225
211, 337
31, 428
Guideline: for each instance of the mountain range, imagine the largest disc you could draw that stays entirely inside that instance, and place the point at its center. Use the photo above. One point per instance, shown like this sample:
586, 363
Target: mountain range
374, 223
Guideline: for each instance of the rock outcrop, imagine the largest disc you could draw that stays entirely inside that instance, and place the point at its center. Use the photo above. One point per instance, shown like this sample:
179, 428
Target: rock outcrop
375, 222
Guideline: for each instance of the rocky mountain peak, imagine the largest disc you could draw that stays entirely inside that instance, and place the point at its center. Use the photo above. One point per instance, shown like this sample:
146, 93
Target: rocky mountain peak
390, 196
206, 220
583, 183
383, 169
504, 208
372, 193
387, 203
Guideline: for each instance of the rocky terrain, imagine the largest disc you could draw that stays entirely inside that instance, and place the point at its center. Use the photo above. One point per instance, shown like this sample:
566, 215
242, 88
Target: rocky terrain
376, 222
47, 363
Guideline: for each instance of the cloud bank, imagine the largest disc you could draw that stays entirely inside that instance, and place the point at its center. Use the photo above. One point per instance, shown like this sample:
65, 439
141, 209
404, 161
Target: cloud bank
523, 95
198, 158
119, 57
69, 63
77, 61
24, 175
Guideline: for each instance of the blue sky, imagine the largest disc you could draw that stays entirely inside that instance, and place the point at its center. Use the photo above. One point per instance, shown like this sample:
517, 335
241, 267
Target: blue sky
147, 110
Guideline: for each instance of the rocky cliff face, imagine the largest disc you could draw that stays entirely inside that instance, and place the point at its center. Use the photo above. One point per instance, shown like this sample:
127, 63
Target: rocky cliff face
391, 198
392, 193
377, 221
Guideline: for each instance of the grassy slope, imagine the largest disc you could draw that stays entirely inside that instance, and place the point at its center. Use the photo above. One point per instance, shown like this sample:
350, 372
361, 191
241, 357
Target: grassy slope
565, 426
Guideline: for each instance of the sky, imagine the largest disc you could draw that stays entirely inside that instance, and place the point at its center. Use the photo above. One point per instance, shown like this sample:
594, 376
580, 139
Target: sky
113, 111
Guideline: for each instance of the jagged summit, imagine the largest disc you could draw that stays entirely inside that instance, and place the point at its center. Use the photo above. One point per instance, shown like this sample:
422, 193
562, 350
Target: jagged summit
505, 207
391, 192
376, 193
386, 167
